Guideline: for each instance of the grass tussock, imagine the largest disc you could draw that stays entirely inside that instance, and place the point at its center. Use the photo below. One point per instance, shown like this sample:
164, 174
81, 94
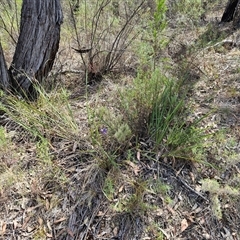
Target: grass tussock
51, 116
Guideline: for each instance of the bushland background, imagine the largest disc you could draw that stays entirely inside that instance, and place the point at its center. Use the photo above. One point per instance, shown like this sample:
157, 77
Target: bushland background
135, 134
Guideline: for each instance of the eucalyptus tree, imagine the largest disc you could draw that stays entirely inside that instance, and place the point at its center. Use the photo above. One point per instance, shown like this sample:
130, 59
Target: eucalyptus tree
232, 13
36, 47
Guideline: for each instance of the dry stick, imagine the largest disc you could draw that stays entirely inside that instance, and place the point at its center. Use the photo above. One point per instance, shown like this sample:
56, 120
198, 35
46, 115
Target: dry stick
16, 15
183, 182
95, 24
116, 57
118, 37
110, 57
190, 188
70, 71
76, 32
104, 33
6, 29
94, 214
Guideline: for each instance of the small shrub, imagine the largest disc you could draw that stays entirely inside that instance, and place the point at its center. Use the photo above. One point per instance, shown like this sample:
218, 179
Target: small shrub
104, 31
153, 41
216, 190
152, 108
108, 129
108, 188
137, 102
185, 11
135, 203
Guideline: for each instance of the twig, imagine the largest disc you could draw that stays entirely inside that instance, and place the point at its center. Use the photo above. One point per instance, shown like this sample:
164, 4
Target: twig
183, 182
70, 71
82, 50
191, 189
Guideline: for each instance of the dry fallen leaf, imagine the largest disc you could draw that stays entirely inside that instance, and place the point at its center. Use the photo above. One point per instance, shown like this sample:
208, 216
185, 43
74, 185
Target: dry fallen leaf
202, 221
115, 231
159, 212
206, 236
75, 145
40, 221
134, 167
184, 225
100, 214
138, 156
14, 224
26, 220
49, 235
49, 226
3, 230
60, 220
70, 232
30, 209
30, 229
192, 176
121, 189
47, 204
171, 210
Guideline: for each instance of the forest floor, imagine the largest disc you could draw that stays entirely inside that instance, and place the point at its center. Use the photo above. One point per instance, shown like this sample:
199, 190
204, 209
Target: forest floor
82, 206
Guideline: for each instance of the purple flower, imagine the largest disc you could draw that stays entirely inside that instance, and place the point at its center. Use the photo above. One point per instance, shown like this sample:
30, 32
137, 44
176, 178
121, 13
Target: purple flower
103, 130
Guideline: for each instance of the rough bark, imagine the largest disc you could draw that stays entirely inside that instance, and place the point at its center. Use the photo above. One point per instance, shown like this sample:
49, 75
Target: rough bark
229, 11
37, 44
4, 76
236, 17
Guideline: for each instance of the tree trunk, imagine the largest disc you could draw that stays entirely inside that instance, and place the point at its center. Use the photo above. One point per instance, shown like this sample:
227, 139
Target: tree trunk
236, 17
230, 12
37, 45
4, 76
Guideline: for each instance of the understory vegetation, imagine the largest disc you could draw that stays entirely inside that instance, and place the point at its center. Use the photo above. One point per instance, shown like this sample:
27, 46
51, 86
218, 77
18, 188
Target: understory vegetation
135, 133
